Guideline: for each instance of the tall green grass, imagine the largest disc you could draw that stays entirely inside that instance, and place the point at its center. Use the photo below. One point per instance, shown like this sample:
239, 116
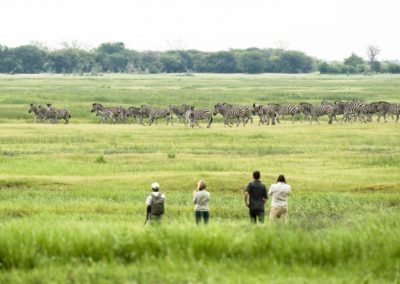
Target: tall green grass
72, 196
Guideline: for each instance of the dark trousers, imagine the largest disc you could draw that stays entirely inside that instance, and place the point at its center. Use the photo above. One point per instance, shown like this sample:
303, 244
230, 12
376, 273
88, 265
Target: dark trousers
257, 214
198, 215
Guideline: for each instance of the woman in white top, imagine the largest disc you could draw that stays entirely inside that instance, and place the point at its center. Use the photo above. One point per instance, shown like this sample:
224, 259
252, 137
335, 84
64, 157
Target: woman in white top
279, 192
201, 197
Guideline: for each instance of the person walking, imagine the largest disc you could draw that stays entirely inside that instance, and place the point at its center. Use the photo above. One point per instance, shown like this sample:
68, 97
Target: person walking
279, 192
201, 197
155, 203
255, 196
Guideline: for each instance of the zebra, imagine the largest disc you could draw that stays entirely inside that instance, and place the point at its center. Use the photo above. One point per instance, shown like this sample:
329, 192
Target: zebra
155, 113
199, 114
316, 111
104, 115
190, 117
265, 113
230, 112
123, 114
333, 115
355, 109
179, 112
395, 111
56, 114
277, 109
338, 108
292, 110
382, 108
115, 111
39, 115
134, 112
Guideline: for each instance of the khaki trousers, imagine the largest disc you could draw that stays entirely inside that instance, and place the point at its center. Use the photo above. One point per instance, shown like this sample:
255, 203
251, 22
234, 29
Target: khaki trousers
280, 212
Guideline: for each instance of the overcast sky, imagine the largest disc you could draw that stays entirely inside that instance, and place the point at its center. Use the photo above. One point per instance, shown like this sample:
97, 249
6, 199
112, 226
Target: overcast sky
325, 29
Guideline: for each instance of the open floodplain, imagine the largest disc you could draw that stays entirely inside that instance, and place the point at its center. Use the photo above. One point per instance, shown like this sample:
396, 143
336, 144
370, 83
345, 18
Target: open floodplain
72, 196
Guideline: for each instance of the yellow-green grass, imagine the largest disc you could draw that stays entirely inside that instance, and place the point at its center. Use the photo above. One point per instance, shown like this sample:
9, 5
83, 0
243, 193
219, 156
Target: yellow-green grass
72, 197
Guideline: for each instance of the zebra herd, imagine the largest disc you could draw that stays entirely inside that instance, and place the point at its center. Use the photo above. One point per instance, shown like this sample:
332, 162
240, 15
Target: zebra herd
49, 113
268, 114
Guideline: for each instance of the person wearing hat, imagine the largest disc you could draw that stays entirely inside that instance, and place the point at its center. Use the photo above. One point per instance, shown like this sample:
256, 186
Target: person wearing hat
155, 203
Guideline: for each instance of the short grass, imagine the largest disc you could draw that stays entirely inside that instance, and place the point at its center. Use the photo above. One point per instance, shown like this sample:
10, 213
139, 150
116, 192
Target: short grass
72, 197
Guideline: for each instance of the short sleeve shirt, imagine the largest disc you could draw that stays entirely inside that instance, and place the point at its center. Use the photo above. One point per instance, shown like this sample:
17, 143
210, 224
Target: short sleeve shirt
257, 193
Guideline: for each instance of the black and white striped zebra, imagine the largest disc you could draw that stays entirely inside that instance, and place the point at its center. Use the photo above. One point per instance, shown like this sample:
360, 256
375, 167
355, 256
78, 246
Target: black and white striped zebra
276, 108
382, 108
199, 114
156, 113
189, 117
395, 111
115, 111
292, 110
338, 108
265, 113
104, 115
231, 112
316, 111
134, 112
39, 115
56, 114
179, 112
356, 110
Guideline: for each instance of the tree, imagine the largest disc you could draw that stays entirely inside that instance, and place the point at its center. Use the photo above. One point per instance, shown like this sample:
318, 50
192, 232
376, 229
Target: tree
251, 61
221, 62
29, 59
291, 62
354, 63
113, 57
372, 52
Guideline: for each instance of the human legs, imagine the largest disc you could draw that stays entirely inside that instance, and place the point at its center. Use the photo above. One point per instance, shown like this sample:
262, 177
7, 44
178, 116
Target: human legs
256, 214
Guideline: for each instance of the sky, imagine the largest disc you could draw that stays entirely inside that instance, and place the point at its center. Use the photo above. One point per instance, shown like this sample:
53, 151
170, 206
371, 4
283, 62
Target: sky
329, 30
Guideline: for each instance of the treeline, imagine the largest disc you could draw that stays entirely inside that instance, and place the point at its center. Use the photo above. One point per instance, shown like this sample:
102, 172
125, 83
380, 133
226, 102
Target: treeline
354, 64
116, 58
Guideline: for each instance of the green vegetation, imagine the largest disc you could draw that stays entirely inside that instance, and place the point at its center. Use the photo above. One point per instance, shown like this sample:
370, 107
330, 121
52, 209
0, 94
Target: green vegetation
72, 196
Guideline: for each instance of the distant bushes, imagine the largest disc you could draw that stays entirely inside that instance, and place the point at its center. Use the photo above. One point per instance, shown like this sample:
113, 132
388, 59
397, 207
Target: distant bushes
356, 65
115, 58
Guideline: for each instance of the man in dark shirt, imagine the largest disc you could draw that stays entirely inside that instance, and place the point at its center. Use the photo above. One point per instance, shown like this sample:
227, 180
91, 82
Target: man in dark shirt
255, 197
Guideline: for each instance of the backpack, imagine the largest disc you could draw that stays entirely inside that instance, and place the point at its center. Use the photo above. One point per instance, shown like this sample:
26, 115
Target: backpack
157, 205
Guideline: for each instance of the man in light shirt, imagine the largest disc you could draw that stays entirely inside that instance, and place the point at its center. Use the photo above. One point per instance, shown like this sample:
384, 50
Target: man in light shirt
279, 192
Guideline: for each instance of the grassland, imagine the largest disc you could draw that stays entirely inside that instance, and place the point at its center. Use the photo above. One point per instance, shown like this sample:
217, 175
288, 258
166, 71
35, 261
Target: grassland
72, 197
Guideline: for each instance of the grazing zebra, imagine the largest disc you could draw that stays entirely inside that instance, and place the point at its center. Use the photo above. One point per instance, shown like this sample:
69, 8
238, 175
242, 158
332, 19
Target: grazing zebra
355, 109
39, 115
155, 113
115, 111
265, 113
56, 114
134, 112
199, 114
230, 112
179, 112
395, 111
292, 110
316, 111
